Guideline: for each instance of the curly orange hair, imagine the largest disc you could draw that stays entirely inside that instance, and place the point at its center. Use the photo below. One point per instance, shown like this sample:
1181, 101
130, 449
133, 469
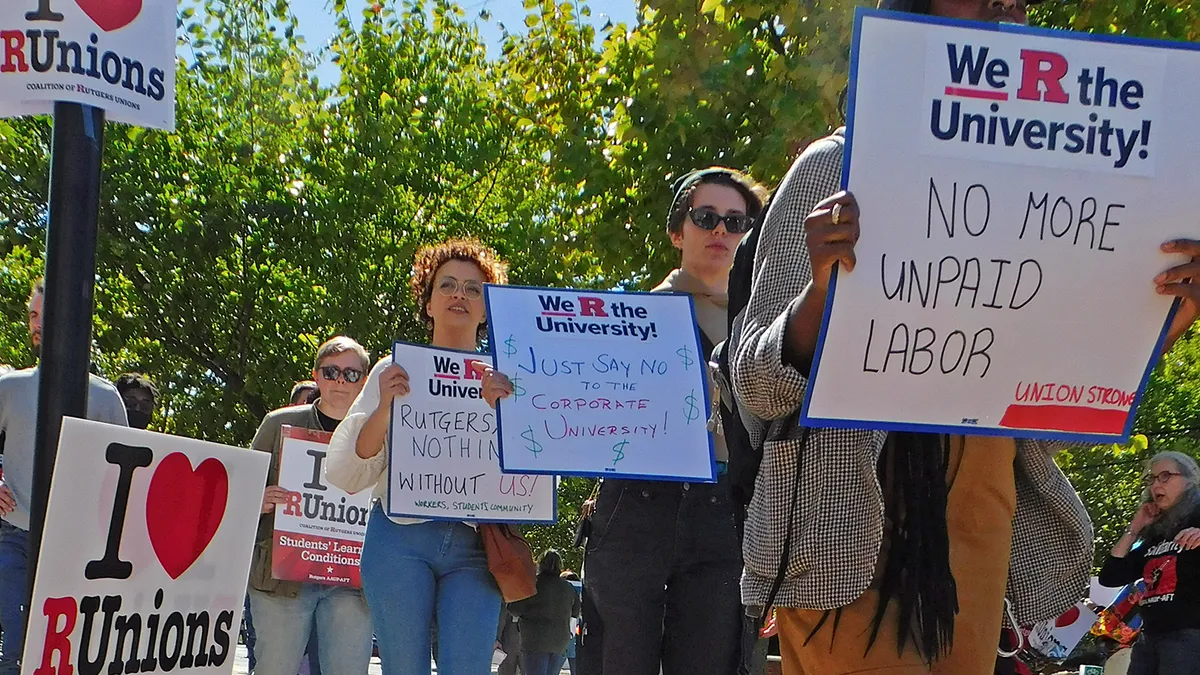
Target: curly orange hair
431, 258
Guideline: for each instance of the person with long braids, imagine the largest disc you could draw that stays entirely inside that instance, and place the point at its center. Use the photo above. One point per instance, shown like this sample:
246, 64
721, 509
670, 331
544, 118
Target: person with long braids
892, 552
1166, 532
414, 571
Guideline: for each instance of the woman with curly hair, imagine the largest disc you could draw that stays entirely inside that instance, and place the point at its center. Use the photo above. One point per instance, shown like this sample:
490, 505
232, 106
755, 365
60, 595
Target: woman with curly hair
417, 571
1166, 529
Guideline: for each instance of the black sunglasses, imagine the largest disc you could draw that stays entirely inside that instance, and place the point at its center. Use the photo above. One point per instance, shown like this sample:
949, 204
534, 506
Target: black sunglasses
706, 218
331, 373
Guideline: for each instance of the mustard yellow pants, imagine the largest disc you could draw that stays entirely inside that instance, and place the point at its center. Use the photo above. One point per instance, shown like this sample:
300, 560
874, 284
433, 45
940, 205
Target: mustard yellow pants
979, 513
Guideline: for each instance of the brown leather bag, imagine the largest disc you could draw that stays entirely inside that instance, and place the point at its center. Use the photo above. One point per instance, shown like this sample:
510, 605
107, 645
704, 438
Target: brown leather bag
510, 560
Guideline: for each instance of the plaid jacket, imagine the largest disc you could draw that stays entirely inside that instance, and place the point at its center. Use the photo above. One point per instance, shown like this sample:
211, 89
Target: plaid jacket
838, 526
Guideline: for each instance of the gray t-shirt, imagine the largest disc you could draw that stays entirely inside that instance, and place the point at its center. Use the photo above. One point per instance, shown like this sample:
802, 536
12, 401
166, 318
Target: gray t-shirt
18, 423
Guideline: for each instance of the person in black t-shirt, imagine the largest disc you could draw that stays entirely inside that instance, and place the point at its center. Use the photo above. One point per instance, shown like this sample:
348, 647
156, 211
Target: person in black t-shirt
1166, 531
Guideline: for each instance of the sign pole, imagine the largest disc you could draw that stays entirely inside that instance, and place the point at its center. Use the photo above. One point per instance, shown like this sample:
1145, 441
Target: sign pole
76, 150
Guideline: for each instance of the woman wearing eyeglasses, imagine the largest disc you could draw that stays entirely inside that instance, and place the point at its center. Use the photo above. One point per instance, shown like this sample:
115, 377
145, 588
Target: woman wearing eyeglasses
414, 570
1160, 545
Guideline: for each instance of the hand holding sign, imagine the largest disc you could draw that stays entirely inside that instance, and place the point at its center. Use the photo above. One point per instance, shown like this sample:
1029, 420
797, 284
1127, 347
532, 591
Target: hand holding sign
1183, 282
274, 495
393, 383
7, 501
831, 232
496, 385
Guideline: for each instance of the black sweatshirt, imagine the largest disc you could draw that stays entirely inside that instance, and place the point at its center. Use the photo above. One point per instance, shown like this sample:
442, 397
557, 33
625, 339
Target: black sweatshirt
1172, 598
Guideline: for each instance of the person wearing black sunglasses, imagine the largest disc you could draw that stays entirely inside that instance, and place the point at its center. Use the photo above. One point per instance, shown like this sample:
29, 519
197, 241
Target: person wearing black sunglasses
663, 562
1162, 546
285, 611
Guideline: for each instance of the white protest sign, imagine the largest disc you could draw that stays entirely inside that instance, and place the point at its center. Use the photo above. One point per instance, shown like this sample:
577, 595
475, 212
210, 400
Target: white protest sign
319, 531
1057, 638
1015, 187
605, 384
145, 554
118, 55
444, 462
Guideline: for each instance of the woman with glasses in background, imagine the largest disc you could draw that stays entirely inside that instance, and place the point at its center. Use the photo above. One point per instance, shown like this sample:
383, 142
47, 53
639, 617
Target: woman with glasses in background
415, 571
1161, 545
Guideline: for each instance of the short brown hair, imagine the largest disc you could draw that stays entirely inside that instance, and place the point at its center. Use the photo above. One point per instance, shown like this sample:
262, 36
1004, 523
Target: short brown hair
336, 345
306, 387
38, 288
752, 192
431, 258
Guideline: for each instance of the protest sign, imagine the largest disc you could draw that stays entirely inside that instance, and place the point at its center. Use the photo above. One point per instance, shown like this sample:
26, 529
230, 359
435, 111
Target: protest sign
319, 531
1015, 188
605, 384
444, 462
145, 553
1056, 638
118, 55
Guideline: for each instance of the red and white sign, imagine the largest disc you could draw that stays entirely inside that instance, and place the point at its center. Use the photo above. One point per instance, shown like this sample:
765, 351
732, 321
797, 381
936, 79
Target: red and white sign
319, 532
118, 55
145, 554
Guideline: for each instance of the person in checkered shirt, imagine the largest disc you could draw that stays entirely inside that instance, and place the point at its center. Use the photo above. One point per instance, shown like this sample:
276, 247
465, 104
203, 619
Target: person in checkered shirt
893, 552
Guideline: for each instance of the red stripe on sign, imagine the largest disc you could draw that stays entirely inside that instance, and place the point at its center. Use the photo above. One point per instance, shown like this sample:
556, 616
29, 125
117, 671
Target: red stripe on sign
1079, 419
444, 376
977, 93
557, 314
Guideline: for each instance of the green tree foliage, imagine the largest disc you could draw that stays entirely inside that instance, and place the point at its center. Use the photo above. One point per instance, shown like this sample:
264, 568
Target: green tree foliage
282, 212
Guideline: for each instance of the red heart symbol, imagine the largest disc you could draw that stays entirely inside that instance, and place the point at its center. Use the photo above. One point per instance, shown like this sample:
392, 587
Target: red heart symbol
1067, 618
110, 15
184, 508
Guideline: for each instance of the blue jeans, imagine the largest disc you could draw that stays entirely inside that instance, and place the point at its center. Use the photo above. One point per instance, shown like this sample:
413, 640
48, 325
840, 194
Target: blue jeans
1171, 653
282, 628
14, 544
410, 574
542, 663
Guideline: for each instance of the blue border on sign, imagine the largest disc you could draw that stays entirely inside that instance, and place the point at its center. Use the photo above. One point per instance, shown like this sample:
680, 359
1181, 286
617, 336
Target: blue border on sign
391, 420
492, 343
819, 422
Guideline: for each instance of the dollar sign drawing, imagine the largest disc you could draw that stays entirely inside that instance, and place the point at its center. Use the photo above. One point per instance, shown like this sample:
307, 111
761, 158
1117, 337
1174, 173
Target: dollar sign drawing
685, 354
533, 446
691, 412
518, 390
619, 448
510, 347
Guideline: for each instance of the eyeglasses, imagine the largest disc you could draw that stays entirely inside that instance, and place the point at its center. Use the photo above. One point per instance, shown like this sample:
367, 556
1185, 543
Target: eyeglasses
1160, 477
706, 218
331, 373
471, 289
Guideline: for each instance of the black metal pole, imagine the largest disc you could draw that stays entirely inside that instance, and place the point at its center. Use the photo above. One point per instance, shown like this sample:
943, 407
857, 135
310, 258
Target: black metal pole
76, 152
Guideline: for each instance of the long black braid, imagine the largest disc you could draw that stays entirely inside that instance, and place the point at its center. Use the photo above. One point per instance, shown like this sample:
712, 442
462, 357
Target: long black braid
917, 571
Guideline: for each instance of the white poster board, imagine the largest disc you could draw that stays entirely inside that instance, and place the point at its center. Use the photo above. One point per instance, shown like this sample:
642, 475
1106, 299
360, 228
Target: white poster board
444, 460
118, 55
1057, 638
605, 384
1015, 187
319, 532
145, 553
